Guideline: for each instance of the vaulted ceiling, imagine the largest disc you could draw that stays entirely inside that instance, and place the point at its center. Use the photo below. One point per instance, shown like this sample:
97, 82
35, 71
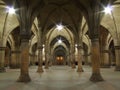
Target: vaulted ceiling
70, 13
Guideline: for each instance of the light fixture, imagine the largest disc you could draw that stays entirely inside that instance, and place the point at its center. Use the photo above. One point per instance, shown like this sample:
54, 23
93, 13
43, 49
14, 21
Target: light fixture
59, 41
108, 9
59, 27
43, 45
76, 45
11, 10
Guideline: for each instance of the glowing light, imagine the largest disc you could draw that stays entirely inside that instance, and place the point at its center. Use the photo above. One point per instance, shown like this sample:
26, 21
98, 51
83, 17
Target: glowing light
61, 58
11, 10
43, 45
60, 27
108, 9
59, 41
75, 45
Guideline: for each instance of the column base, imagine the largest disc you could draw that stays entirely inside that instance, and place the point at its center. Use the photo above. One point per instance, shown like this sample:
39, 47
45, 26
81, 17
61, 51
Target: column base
46, 67
24, 78
96, 77
40, 69
105, 66
31, 64
14, 67
117, 68
73, 66
2, 69
80, 70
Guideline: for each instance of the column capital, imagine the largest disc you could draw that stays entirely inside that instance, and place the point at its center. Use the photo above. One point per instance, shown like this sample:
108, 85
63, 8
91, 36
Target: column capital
105, 51
87, 54
79, 47
40, 47
16, 51
25, 37
31, 54
2, 48
94, 39
117, 47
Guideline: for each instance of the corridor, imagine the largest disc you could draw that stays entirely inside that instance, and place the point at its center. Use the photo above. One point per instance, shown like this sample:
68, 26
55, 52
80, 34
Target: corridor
60, 78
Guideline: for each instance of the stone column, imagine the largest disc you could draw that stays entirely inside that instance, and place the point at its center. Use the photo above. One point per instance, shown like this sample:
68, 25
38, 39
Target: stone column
70, 56
32, 59
96, 76
40, 69
2, 57
73, 61
7, 59
46, 55
117, 54
86, 59
89, 58
73, 56
15, 59
46, 60
68, 59
80, 69
105, 59
24, 74
50, 61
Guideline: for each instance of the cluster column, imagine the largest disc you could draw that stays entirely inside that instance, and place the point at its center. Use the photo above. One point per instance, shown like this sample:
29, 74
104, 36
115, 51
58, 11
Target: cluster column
96, 76
117, 53
105, 62
15, 59
40, 69
46, 60
46, 55
80, 69
24, 73
32, 59
2, 57
72, 57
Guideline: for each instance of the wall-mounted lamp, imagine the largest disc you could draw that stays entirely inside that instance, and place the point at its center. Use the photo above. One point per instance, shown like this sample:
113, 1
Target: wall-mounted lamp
59, 27
10, 10
108, 9
59, 41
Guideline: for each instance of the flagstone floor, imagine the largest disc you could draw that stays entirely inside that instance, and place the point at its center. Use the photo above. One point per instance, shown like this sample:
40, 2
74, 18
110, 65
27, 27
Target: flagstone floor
60, 78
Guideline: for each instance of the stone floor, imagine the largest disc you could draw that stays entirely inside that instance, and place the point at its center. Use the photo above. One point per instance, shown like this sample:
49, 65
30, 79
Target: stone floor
60, 78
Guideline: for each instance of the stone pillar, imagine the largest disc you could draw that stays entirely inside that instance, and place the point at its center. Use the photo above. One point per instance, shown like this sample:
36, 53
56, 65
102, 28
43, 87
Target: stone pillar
40, 69
86, 59
7, 58
15, 59
46, 55
117, 54
73, 61
80, 69
2, 57
105, 59
68, 59
89, 58
72, 56
32, 59
24, 74
95, 58
64, 62
50, 61
46, 60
